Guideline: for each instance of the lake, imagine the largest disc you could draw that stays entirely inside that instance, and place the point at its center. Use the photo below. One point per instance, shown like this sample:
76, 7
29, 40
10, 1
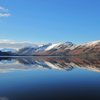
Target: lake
49, 78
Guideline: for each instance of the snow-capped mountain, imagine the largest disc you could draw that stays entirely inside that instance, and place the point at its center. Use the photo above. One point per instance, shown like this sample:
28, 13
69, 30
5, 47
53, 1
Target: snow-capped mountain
59, 45
33, 49
45, 49
27, 51
15, 48
53, 46
58, 48
55, 49
93, 43
86, 48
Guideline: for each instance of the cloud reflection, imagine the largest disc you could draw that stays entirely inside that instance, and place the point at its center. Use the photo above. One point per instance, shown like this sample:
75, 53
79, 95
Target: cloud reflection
3, 98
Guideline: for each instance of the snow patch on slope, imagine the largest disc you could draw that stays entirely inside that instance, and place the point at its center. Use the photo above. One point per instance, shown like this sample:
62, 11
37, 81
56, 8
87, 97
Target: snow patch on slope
92, 43
43, 47
52, 46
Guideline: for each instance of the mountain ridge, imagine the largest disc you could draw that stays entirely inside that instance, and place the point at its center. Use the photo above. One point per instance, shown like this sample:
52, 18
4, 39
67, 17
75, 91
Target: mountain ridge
56, 49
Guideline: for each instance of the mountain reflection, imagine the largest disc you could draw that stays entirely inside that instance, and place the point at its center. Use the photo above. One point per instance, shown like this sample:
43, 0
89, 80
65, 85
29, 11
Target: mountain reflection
59, 63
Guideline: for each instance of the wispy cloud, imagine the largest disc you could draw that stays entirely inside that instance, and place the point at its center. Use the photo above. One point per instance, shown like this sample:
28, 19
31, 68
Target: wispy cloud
4, 12
3, 8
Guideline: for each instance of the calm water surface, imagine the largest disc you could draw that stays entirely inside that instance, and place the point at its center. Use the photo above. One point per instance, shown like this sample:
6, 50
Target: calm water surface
49, 78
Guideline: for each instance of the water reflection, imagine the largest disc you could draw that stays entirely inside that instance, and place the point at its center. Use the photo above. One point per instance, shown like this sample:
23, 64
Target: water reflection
3, 98
58, 63
30, 83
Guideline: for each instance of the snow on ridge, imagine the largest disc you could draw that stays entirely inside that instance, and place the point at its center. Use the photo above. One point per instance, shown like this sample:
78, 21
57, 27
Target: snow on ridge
69, 44
52, 46
43, 47
93, 43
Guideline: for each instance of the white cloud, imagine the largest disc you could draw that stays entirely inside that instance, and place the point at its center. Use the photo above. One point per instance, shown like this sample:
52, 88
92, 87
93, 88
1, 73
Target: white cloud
4, 12
6, 41
2, 8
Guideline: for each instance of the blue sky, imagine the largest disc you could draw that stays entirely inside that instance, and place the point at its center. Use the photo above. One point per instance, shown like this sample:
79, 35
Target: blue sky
50, 20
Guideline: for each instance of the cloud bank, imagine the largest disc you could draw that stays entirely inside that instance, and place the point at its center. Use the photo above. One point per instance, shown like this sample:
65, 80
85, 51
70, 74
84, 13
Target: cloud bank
15, 45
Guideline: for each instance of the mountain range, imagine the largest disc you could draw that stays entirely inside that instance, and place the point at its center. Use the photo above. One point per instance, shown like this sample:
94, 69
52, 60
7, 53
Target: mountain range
51, 49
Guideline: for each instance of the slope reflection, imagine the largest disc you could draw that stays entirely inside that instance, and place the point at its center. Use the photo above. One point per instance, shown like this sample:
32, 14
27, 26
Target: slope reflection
59, 63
